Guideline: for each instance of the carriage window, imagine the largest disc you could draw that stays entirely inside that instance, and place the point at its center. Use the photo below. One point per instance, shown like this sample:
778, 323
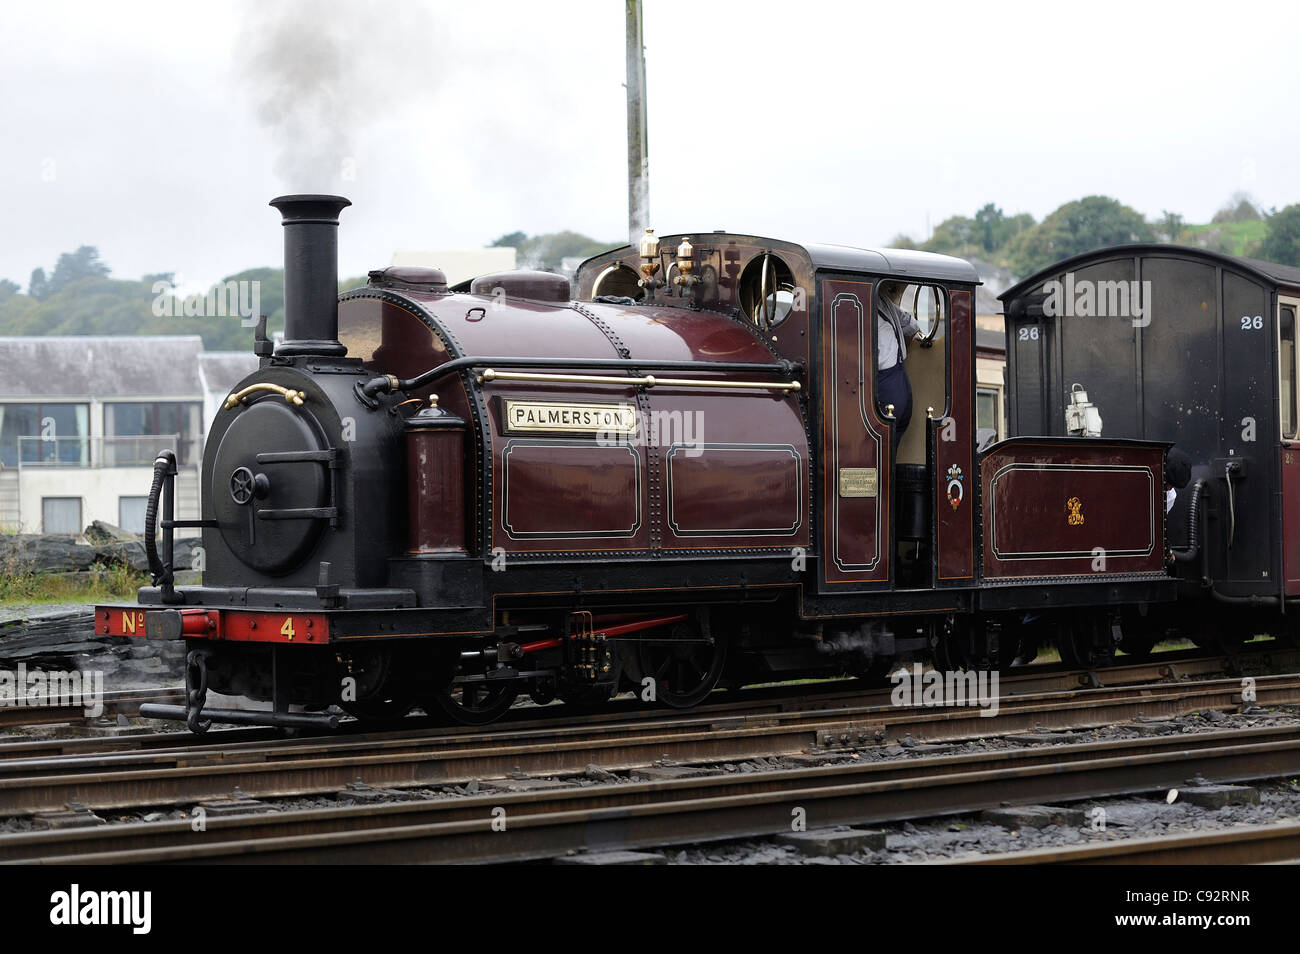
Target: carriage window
1287, 369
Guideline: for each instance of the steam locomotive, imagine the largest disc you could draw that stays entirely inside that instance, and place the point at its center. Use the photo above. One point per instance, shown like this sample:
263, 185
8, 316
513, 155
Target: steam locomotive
678, 479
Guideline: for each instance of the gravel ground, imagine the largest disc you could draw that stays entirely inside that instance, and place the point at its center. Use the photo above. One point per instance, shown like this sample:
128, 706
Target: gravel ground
967, 835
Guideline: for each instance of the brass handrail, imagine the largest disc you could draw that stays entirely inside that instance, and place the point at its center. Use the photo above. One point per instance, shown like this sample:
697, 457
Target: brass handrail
289, 394
645, 381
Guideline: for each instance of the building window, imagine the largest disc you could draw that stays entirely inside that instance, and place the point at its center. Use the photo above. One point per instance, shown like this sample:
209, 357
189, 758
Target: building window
44, 434
61, 515
130, 513
988, 414
131, 431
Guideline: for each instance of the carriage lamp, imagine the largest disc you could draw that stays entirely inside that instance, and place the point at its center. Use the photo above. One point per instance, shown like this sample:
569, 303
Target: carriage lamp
649, 261
686, 277
1082, 418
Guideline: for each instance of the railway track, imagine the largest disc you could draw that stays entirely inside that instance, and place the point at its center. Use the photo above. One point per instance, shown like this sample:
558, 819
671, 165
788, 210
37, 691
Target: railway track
18, 713
1162, 667
293, 767
1169, 667
519, 826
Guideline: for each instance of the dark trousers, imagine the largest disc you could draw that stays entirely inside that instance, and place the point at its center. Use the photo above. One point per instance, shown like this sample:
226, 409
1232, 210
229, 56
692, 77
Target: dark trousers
892, 387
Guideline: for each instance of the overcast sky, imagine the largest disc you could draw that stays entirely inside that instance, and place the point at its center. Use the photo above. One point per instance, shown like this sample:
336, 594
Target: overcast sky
157, 131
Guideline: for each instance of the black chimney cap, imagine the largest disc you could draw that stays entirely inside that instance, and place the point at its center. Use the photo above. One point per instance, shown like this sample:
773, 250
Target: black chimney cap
311, 208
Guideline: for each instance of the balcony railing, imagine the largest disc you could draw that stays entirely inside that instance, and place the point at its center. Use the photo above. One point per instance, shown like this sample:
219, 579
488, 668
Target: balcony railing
132, 451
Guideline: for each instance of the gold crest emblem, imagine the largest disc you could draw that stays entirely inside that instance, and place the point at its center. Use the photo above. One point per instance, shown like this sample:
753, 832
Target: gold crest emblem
1075, 506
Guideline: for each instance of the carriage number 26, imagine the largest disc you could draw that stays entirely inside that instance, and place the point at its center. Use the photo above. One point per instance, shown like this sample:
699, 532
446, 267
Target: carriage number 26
1028, 334
1252, 324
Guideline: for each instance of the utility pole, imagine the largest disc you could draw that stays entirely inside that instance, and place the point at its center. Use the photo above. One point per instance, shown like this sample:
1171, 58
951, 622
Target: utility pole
638, 154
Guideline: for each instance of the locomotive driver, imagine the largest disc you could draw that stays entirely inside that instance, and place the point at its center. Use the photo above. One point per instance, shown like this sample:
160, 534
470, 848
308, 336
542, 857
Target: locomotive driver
893, 327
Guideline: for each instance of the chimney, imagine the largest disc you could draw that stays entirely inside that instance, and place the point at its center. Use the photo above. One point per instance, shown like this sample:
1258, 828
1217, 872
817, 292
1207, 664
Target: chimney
311, 274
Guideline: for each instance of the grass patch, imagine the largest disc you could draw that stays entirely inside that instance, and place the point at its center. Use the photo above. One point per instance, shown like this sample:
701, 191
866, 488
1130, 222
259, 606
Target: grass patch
101, 583
1234, 238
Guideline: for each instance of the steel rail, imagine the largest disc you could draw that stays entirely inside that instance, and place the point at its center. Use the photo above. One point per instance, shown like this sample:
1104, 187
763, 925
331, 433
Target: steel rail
29, 710
1044, 677
159, 778
1166, 666
543, 824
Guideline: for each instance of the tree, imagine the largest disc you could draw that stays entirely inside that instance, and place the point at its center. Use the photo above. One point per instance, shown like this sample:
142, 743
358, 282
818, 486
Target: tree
1171, 225
513, 240
8, 289
1239, 208
1282, 244
37, 286
952, 236
97, 305
1093, 222
73, 266
988, 232
989, 219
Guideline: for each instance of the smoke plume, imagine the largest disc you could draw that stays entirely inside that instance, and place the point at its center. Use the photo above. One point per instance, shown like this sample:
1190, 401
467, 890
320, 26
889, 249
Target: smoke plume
321, 71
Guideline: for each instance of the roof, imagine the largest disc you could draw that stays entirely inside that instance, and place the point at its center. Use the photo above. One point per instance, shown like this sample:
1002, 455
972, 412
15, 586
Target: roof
102, 365
895, 261
1282, 274
222, 370
1270, 272
986, 339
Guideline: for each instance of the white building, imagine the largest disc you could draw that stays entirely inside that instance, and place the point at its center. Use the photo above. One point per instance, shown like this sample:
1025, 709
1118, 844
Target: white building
82, 419
460, 264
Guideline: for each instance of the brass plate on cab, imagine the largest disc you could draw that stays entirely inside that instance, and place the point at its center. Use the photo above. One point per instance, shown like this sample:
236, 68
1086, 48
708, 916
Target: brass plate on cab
858, 481
570, 418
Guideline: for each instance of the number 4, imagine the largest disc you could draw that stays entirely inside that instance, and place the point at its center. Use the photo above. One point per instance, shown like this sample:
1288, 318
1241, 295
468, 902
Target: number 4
287, 628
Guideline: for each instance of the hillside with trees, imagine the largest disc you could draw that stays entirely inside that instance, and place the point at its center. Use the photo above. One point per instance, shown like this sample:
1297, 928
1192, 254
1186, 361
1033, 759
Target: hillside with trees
84, 300
1024, 246
78, 296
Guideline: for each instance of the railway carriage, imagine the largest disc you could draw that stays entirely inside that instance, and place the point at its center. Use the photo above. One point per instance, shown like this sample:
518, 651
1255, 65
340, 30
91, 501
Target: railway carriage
673, 477
1196, 349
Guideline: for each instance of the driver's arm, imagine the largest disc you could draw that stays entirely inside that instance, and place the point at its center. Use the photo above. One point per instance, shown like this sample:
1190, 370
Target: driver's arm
911, 327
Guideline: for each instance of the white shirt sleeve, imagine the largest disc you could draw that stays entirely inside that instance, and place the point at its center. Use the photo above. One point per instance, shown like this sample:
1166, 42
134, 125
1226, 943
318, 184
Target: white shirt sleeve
886, 345
910, 325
